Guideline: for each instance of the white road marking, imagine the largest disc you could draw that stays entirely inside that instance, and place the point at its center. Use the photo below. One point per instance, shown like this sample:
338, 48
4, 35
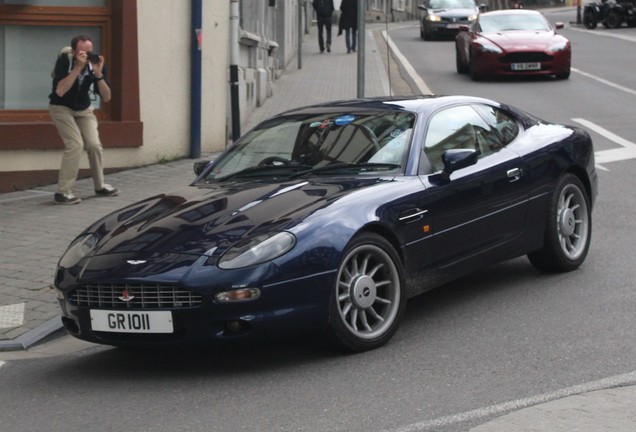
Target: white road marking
605, 383
627, 150
12, 315
604, 81
1, 363
605, 34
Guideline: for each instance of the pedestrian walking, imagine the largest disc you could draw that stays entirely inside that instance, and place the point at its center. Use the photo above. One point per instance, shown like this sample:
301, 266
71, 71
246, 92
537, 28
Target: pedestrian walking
76, 71
349, 23
324, 12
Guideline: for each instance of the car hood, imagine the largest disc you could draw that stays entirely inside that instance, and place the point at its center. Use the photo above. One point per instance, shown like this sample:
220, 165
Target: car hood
453, 12
197, 219
521, 40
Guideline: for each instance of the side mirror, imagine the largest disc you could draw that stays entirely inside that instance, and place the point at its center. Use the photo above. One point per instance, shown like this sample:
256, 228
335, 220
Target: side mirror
421, 7
559, 25
199, 166
483, 7
457, 159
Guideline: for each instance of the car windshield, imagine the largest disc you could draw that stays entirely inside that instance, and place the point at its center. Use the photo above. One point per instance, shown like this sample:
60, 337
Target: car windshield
526, 22
452, 4
320, 144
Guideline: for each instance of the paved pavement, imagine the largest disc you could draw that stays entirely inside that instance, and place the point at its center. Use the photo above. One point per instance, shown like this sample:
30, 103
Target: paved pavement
34, 232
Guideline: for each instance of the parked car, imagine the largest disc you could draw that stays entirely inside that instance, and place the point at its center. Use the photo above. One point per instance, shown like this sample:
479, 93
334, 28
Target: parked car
510, 43
611, 14
327, 218
443, 17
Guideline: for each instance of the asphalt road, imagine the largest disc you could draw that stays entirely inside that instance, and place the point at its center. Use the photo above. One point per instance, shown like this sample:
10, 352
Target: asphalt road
502, 335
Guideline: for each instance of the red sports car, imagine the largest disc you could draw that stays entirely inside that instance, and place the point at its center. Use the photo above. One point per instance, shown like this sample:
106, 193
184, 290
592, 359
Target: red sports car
512, 42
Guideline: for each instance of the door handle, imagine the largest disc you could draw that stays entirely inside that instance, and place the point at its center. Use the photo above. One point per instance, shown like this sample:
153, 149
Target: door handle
514, 174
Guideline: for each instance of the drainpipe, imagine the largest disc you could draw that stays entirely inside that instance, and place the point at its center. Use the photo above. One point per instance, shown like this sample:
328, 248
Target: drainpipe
234, 72
195, 80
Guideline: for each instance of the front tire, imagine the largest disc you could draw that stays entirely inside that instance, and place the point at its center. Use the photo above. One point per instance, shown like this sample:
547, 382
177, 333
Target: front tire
614, 20
368, 299
568, 229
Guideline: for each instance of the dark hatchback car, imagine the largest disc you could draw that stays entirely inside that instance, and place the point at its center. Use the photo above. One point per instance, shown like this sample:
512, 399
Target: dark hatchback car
443, 17
327, 218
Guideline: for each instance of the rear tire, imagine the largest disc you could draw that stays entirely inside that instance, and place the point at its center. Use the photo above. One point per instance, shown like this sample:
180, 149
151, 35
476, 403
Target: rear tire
368, 299
568, 229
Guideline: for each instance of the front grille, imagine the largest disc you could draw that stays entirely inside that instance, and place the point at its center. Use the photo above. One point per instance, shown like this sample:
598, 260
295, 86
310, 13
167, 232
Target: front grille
462, 20
139, 295
525, 57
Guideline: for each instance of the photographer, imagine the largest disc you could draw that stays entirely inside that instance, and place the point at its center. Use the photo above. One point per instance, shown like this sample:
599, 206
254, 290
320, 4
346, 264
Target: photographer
71, 111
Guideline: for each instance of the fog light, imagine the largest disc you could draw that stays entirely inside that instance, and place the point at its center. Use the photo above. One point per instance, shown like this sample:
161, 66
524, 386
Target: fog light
238, 295
237, 327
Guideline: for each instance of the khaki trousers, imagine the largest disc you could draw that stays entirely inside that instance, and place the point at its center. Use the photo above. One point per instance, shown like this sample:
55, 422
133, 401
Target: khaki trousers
78, 130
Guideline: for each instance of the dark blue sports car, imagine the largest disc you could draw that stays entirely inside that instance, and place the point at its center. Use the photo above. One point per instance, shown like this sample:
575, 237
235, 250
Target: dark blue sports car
328, 218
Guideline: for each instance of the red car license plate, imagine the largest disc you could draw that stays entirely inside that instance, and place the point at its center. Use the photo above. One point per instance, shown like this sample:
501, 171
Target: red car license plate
525, 66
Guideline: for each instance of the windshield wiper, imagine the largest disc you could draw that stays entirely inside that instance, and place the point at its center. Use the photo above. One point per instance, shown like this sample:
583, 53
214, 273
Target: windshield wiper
359, 167
269, 170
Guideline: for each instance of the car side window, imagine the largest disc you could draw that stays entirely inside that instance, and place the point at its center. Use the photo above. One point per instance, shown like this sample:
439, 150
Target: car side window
459, 127
504, 124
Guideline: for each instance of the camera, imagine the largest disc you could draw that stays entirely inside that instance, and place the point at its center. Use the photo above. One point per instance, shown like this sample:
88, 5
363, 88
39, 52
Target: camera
92, 57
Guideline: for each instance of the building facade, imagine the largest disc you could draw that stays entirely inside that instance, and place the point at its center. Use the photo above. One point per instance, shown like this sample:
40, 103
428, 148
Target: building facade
149, 46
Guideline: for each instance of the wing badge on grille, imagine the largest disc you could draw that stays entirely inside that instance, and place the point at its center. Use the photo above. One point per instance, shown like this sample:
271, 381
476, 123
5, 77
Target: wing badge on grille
125, 296
136, 262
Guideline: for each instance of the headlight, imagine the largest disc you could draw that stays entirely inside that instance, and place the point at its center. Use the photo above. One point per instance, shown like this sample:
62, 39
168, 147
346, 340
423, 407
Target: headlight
558, 46
489, 47
80, 247
434, 18
257, 250
472, 17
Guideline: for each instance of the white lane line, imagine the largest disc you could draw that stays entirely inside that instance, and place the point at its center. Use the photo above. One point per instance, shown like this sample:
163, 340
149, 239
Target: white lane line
605, 383
1, 363
604, 81
605, 34
627, 150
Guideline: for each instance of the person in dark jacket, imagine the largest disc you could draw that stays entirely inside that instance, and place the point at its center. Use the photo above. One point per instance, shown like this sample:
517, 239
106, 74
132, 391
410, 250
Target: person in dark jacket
76, 71
349, 23
324, 11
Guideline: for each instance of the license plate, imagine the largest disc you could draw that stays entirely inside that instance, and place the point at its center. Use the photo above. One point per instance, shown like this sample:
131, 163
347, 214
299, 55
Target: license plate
452, 26
525, 66
131, 322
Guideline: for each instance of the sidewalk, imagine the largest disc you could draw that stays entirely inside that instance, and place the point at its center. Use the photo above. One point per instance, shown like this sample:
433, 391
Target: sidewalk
34, 233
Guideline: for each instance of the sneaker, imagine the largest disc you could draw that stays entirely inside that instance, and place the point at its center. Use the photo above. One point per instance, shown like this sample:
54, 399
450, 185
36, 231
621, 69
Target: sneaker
328, 48
69, 198
107, 190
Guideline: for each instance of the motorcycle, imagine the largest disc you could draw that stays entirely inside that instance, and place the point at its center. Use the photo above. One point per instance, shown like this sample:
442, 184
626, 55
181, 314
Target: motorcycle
610, 14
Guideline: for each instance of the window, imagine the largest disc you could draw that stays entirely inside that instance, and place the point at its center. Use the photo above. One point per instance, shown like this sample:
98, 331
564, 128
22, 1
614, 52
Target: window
482, 128
32, 32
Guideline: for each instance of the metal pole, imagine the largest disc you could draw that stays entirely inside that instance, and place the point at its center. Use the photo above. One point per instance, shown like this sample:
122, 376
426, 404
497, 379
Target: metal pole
195, 80
300, 34
234, 72
362, 7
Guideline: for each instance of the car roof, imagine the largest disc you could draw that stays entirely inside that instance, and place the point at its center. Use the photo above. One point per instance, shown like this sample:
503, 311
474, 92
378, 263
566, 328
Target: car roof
416, 104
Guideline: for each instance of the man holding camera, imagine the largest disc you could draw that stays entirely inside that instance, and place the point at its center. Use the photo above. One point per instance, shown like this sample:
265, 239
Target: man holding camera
71, 111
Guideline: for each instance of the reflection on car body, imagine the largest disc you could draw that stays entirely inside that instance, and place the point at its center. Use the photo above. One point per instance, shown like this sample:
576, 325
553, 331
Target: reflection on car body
327, 218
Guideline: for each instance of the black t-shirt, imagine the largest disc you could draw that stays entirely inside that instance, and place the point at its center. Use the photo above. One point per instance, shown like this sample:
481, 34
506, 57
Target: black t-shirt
78, 97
